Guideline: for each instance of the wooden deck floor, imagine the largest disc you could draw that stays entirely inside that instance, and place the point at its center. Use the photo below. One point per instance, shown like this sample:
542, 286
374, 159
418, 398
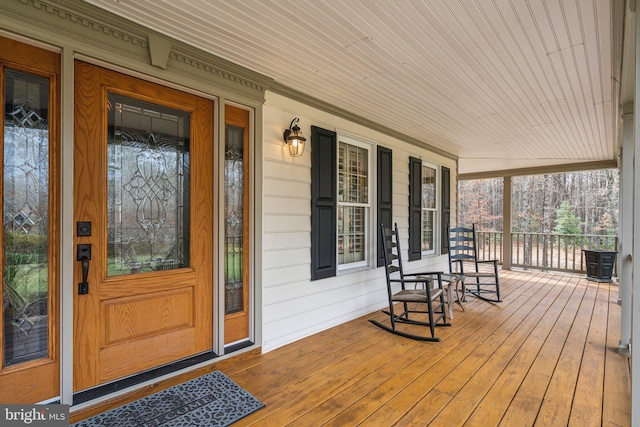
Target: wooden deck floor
545, 356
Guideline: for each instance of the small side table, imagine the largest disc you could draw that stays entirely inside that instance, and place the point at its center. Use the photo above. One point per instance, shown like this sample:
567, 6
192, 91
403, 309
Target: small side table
457, 279
447, 281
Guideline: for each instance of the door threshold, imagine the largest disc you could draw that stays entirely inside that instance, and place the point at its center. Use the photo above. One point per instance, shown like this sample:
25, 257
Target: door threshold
233, 347
115, 386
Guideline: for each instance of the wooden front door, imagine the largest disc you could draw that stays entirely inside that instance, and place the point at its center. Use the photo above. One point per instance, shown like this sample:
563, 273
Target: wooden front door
143, 206
29, 137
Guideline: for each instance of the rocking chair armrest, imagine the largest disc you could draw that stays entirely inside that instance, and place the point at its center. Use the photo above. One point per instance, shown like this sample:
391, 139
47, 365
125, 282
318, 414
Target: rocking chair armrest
409, 280
424, 280
425, 273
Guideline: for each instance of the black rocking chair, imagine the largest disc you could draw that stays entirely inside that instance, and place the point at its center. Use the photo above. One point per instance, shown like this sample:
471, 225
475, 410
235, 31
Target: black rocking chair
463, 251
432, 299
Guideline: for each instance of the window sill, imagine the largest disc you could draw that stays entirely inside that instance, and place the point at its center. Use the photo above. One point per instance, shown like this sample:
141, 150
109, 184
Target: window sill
353, 270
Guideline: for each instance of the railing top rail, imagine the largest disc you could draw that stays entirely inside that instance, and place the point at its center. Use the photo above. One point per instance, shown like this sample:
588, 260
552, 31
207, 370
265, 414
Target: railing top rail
564, 235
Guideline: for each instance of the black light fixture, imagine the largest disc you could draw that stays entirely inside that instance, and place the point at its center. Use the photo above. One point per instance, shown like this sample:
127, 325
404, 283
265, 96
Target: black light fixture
294, 139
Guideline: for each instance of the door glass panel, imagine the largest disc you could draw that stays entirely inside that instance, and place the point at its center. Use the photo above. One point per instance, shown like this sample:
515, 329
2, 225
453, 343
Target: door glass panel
148, 187
234, 219
25, 215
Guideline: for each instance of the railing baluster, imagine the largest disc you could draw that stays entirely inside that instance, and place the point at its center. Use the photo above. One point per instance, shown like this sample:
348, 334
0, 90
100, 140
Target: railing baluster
574, 244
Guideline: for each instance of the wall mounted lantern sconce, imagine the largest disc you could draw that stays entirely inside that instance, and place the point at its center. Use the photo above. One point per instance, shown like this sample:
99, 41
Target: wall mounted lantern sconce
294, 139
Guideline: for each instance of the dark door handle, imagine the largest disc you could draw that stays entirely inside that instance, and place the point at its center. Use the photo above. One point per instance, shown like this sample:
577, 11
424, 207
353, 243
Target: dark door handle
84, 255
83, 287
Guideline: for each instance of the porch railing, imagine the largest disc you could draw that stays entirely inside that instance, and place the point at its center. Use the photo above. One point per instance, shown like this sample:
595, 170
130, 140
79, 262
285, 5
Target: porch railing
489, 245
545, 251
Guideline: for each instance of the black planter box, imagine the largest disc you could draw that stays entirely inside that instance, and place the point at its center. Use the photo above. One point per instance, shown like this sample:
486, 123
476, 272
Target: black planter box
599, 264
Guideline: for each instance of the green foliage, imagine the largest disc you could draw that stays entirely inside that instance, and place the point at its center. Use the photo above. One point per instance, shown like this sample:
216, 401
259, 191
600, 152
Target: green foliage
25, 275
20, 243
566, 220
233, 266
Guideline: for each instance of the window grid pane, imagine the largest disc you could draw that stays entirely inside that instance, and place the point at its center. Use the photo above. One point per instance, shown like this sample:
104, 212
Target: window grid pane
428, 188
351, 234
353, 197
353, 169
427, 230
429, 194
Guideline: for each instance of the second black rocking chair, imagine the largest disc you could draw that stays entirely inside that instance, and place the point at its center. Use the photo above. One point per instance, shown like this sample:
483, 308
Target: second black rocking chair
424, 300
463, 250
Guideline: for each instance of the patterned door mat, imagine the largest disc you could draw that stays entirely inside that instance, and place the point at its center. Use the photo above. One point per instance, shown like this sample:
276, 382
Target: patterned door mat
209, 400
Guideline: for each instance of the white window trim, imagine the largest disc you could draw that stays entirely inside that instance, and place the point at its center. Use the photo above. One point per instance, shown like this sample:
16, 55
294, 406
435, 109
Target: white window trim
437, 213
369, 229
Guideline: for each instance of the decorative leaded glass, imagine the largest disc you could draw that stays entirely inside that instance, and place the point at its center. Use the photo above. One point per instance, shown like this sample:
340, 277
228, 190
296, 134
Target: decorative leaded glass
147, 188
234, 219
25, 216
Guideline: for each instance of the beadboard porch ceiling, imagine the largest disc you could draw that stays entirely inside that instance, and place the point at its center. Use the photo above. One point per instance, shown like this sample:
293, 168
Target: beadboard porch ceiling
501, 84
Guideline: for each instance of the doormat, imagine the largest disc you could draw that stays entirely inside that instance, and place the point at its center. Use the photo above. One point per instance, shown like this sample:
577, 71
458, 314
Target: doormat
209, 400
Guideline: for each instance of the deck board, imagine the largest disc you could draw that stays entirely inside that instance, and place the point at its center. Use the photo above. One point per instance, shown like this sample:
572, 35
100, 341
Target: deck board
498, 398
545, 356
557, 401
469, 396
616, 404
524, 406
587, 402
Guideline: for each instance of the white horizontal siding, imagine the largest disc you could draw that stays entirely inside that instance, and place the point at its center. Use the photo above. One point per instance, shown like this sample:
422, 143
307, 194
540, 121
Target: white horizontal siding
293, 305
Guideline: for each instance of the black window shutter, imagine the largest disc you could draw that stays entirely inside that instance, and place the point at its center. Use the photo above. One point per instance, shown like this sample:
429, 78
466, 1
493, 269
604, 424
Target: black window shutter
415, 208
324, 204
385, 195
446, 209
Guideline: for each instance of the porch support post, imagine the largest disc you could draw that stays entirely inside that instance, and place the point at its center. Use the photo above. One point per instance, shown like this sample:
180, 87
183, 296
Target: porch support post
67, 288
219, 290
625, 259
635, 311
507, 241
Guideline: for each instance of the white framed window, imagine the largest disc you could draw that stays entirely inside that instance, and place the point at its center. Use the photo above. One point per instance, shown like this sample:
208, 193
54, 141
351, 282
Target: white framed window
355, 174
430, 202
